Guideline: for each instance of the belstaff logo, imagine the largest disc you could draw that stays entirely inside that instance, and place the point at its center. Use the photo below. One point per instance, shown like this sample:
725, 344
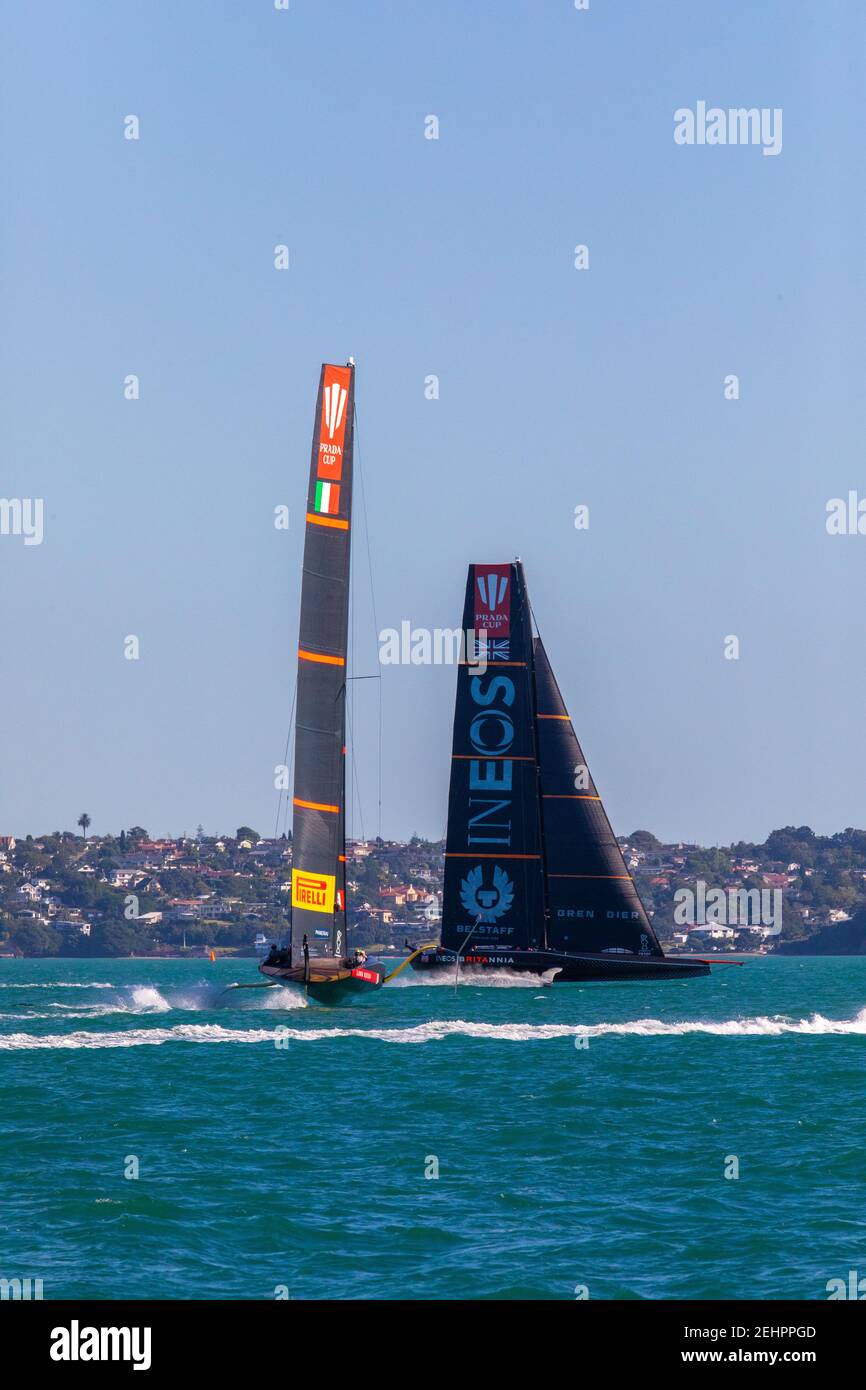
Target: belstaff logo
486, 901
315, 892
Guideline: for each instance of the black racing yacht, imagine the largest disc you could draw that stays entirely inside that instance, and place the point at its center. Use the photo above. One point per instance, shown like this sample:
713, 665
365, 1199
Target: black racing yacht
534, 877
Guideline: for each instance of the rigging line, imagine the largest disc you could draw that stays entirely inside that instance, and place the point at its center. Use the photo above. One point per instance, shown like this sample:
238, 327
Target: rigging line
285, 762
293, 753
539, 803
375, 617
461, 948
357, 789
349, 706
290, 761
535, 620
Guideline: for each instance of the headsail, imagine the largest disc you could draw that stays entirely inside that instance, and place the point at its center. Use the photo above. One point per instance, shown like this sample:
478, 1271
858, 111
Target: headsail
318, 833
493, 859
592, 899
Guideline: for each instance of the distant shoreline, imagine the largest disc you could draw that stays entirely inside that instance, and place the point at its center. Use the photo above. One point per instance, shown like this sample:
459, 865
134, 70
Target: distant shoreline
671, 955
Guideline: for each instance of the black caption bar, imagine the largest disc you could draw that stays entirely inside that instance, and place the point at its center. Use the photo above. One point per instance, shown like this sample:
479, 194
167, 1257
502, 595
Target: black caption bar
63, 1339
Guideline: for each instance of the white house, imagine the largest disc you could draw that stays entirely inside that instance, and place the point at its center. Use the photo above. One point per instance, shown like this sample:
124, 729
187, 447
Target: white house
715, 932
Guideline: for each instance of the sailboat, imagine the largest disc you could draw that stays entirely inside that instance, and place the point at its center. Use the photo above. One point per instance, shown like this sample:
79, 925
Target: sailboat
318, 958
534, 877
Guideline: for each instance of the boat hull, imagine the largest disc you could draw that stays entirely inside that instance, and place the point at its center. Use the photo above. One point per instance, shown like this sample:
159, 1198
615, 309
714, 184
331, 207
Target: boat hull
327, 981
570, 968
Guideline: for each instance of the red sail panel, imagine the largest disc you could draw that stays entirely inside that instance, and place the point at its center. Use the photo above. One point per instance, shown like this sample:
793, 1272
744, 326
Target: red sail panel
493, 890
592, 900
318, 832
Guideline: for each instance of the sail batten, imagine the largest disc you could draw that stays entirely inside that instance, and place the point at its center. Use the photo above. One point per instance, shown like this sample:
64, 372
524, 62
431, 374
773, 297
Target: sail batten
318, 834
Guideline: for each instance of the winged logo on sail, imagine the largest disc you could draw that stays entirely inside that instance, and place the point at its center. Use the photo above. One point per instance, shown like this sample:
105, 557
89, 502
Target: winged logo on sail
486, 902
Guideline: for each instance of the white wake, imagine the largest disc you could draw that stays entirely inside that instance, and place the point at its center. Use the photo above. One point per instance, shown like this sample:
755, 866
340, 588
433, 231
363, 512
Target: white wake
484, 979
58, 984
202, 997
436, 1030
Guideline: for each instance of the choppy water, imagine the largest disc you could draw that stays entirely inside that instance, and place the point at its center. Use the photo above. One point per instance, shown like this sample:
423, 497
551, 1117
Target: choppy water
303, 1165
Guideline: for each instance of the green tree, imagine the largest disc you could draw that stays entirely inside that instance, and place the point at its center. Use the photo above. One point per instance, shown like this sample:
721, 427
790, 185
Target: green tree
709, 864
793, 926
793, 844
84, 822
35, 939
113, 939
244, 832
28, 856
644, 839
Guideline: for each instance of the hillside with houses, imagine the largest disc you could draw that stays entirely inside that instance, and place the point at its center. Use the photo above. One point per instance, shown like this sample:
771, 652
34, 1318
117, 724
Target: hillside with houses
68, 894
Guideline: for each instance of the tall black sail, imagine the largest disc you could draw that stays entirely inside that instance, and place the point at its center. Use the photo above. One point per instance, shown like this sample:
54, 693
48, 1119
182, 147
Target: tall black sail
592, 900
494, 886
318, 830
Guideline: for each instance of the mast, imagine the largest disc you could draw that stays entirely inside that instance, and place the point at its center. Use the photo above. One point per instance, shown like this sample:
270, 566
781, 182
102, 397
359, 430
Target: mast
593, 902
319, 802
493, 891
539, 798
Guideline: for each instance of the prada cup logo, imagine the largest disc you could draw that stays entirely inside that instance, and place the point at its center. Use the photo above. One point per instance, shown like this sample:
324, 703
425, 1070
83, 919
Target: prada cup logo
486, 902
333, 405
493, 600
492, 589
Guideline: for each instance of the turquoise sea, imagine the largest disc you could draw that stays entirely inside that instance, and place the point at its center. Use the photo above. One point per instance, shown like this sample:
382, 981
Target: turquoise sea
301, 1167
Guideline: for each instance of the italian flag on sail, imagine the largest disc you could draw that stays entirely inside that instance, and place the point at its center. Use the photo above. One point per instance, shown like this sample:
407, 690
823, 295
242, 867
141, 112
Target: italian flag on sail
328, 498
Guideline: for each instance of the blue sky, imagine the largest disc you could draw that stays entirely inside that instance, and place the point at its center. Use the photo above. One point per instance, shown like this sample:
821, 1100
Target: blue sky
557, 387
